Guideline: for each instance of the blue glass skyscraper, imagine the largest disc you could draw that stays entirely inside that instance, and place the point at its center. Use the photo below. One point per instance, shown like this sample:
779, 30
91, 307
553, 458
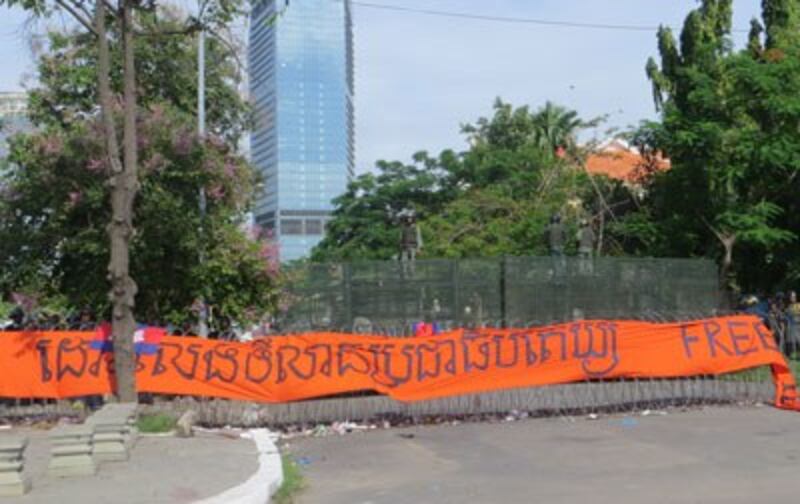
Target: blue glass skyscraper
301, 87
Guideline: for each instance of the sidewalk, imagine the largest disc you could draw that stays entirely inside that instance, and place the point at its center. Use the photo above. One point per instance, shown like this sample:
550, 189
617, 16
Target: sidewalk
161, 470
715, 455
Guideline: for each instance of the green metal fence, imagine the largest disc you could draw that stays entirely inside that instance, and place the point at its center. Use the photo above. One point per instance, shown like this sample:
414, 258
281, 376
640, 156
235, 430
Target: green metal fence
388, 296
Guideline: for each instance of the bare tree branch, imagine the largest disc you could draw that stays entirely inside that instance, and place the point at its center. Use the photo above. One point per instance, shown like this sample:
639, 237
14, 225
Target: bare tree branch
110, 8
202, 10
81, 4
232, 49
189, 29
600, 194
77, 12
714, 230
192, 25
463, 231
608, 208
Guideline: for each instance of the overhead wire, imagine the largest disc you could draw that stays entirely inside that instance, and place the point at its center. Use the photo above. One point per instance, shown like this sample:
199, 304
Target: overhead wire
511, 19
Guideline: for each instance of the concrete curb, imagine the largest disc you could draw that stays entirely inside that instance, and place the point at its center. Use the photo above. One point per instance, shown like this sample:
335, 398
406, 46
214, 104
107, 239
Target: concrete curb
171, 433
260, 487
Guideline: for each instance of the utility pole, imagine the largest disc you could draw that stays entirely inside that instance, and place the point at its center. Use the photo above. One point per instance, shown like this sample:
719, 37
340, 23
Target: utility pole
202, 326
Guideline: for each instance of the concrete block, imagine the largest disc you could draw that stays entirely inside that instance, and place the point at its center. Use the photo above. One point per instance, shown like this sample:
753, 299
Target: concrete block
111, 455
106, 437
12, 447
116, 417
186, 423
103, 426
132, 437
71, 434
110, 447
70, 431
13, 481
8, 466
14, 484
124, 429
71, 451
71, 465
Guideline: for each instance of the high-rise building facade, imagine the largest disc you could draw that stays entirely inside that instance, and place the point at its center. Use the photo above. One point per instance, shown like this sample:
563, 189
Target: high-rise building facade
13, 118
301, 87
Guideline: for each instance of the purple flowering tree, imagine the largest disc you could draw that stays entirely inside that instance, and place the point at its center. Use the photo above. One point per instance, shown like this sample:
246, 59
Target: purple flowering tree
114, 146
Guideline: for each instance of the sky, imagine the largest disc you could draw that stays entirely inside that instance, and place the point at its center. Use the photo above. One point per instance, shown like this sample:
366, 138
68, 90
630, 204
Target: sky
418, 77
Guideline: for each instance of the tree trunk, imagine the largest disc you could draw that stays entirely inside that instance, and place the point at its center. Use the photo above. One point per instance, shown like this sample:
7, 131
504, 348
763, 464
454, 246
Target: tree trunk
123, 184
104, 93
600, 233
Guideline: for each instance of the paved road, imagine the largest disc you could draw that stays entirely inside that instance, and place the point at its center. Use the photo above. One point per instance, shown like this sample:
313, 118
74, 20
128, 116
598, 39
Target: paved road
160, 471
722, 455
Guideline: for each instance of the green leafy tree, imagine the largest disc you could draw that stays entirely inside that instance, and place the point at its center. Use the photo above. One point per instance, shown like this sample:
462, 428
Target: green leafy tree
364, 224
55, 212
557, 127
729, 125
493, 199
121, 142
167, 73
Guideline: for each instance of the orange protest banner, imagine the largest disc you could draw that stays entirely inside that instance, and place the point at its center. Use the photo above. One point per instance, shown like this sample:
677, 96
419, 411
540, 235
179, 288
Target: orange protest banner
290, 368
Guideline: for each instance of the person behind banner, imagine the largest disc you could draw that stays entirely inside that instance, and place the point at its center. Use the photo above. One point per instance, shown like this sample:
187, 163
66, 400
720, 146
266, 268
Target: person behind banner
83, 321
556, 239
776, 319
752, 305
793, 324
17, 318
423, 330
410, 240
586, 240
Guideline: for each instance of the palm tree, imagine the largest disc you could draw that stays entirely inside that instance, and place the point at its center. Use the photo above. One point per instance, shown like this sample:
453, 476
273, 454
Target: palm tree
556, 127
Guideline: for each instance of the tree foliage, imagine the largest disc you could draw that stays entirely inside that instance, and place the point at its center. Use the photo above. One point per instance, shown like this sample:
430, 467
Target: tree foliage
495, 198
108, 23
55, 209
729, 123
68, 92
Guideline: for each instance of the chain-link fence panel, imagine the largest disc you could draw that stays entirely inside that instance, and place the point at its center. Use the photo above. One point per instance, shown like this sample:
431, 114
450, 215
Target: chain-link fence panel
389, 297
543, 290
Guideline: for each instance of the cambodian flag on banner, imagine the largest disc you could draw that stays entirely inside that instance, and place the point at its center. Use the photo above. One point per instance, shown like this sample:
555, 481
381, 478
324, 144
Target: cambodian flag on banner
145, 340
102, 338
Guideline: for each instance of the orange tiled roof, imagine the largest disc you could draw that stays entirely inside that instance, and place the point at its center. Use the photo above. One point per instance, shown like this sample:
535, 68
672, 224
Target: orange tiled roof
620, 162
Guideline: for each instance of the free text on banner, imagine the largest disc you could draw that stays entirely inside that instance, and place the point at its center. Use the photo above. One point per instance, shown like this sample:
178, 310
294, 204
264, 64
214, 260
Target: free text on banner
289, 368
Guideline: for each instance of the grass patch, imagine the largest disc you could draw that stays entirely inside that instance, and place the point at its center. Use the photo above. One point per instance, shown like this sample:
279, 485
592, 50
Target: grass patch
155, 424
293, 482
